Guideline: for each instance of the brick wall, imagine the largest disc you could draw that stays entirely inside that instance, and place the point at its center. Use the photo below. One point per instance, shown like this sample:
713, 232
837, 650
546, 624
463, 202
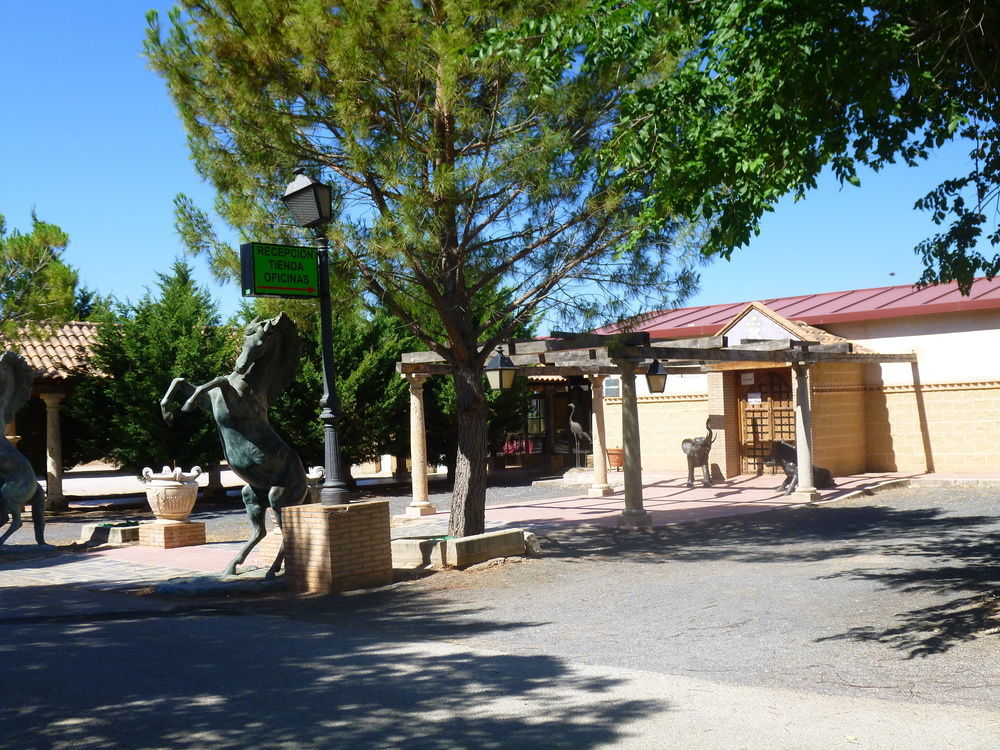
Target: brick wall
337, 547
725, 421
949, 428
664, 421
837, 399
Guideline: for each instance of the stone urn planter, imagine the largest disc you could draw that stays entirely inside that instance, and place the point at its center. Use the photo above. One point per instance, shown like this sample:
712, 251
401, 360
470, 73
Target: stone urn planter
171, 493
315, 477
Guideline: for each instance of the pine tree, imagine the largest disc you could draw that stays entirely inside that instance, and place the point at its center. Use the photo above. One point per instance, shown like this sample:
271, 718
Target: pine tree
36, 285
453, 177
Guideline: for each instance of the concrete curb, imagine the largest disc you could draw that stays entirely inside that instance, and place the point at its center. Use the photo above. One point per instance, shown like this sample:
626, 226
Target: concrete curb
923, 482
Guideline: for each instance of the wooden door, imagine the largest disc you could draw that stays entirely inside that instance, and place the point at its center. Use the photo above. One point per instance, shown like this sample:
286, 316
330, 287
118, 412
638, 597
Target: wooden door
767, 413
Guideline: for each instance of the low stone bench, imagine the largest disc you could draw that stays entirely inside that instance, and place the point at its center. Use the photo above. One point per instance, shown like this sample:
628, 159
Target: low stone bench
109, 533
460, 552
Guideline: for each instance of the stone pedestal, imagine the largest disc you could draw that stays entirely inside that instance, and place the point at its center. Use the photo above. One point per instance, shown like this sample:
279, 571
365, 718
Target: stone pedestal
635, 519
337, 547
167, 535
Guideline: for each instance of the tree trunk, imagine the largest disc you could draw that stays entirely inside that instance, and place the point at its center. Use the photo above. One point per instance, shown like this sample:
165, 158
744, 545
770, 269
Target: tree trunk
468, 505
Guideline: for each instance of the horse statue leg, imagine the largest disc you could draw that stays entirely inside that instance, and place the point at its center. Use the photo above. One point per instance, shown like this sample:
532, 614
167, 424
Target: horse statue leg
178, 386
255, 511
280, 557
198, 393
11, 511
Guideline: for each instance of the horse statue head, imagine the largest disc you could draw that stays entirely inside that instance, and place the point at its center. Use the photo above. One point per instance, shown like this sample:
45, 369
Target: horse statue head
270, 354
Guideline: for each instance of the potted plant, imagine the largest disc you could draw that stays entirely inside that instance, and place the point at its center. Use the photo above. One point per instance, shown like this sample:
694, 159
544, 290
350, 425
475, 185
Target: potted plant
616, 458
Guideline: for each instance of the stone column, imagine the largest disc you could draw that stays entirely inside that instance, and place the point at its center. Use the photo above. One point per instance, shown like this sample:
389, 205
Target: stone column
54, 499
420, 505
805, 489
10, 432
634, 515
599, 486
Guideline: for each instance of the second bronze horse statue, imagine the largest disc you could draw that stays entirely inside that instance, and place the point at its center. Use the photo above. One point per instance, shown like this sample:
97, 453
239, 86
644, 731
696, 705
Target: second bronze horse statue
273, 472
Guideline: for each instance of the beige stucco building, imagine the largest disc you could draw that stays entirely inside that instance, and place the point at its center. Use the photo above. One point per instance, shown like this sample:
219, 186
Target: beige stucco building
940, 413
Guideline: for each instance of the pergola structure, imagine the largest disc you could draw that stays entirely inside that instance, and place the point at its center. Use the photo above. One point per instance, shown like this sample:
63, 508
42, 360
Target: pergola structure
627, 355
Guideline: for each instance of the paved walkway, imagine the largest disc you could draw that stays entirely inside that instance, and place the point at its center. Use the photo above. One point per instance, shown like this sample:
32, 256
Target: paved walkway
669, 501
666, 497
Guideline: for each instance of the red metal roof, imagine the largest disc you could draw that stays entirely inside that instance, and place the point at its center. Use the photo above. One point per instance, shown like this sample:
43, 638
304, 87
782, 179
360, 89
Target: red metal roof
830, 307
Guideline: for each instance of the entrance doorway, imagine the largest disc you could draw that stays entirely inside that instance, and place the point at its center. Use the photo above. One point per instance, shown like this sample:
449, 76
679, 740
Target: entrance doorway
767, 413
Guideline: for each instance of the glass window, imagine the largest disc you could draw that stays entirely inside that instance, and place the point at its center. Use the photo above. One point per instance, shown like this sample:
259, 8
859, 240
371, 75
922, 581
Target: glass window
612, 387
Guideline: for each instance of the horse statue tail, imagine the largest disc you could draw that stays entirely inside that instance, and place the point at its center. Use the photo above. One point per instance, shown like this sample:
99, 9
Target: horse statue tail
38, 514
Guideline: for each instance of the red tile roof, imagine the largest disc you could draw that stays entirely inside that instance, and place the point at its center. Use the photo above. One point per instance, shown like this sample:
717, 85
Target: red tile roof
54, 352
830, 307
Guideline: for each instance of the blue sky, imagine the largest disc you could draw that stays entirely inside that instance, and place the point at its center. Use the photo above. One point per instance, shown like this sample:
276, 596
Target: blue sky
89, 138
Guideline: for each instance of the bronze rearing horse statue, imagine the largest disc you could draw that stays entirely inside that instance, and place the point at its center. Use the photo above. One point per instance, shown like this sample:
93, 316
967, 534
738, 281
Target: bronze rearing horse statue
273, 472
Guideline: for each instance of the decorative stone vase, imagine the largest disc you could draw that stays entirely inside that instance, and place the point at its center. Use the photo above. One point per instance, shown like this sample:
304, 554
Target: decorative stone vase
616, 458
315, 475
171, 493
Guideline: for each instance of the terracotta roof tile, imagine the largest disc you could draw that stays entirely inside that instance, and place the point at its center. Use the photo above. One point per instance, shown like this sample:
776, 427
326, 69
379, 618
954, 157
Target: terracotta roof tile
55, 351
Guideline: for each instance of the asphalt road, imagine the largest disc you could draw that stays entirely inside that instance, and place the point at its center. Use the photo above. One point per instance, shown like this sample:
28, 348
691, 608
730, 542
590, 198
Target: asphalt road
869, 623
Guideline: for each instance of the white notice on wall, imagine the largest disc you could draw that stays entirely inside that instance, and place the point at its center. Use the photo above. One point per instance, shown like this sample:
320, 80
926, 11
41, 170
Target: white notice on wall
746, 378
754, 398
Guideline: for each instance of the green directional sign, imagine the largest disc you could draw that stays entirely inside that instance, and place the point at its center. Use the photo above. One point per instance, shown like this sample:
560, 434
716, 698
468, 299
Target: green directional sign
279, 270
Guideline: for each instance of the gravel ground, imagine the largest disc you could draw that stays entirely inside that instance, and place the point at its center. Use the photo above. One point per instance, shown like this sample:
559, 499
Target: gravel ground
789, 619
895, 596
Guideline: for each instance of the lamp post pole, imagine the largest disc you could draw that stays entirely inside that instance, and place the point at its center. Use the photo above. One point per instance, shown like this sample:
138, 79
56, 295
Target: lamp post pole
334, 489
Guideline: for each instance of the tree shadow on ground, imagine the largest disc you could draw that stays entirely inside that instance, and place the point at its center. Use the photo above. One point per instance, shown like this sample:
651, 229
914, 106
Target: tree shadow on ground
188, 677
967, 563
926, 550
785, 535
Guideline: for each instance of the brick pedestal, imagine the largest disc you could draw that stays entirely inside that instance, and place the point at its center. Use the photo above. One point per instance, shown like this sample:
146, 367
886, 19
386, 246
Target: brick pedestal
337, 547
169, 535
264, 553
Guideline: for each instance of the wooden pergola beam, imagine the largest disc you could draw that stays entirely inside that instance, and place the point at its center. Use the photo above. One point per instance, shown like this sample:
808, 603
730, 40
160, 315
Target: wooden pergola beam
568, 354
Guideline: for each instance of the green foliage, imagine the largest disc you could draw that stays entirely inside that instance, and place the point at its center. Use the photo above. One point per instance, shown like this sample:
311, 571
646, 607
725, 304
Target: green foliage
35, 284
141, 348
764, 95
31, 425
451, 176
374, 404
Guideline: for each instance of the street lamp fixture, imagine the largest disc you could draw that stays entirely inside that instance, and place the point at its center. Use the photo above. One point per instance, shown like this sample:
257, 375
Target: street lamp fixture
656, 377
309, 202
500, 371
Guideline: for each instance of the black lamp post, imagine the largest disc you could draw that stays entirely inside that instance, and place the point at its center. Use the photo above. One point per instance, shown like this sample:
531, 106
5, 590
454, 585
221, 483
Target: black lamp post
656, 377
500, 371
309, 202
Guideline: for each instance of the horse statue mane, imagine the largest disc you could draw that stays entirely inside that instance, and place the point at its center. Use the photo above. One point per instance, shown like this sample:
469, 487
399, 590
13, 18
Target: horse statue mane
16, 377
272, 373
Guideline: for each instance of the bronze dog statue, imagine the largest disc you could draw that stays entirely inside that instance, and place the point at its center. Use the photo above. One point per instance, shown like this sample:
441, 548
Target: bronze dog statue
784, 455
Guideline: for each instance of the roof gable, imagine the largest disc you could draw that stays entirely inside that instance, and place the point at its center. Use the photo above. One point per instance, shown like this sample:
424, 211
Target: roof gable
758, 322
